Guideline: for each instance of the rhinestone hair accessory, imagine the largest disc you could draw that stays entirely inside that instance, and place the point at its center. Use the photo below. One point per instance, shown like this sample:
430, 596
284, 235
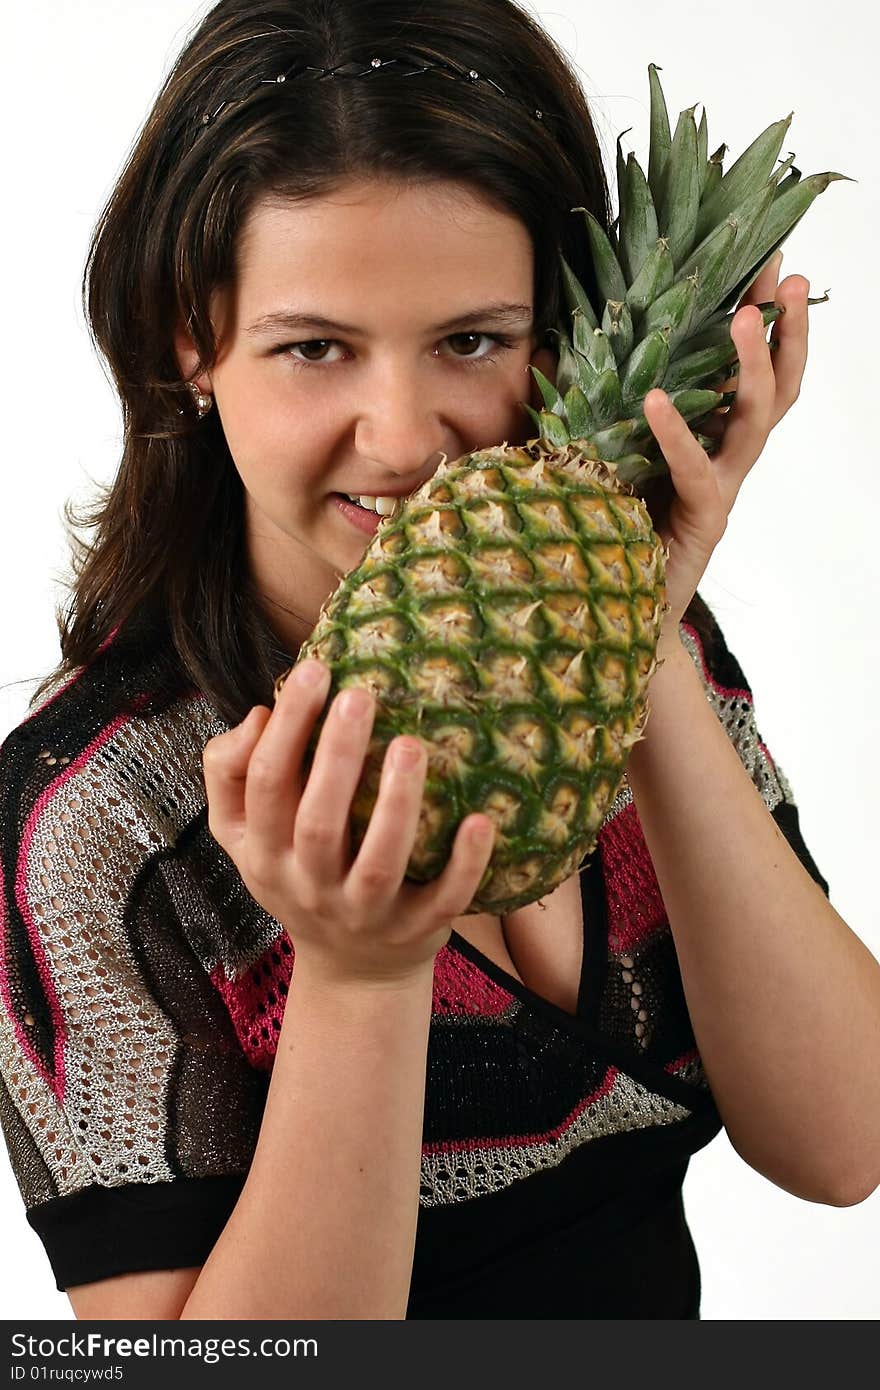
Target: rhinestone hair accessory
372, 69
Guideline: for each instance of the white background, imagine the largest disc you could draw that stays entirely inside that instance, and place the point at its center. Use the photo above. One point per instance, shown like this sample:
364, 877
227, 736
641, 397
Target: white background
793, 583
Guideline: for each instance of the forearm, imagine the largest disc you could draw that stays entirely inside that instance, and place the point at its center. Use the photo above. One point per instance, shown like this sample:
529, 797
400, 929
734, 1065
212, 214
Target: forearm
325, 1224
784, 998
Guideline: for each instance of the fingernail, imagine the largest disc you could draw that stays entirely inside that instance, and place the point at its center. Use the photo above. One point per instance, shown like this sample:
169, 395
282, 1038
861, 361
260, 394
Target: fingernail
310, 672
355, 703
407, 755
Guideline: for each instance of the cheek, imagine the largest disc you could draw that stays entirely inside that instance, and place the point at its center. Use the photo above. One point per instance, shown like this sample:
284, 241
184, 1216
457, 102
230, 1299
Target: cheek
493, 402
263, 428
281, 465
509, 417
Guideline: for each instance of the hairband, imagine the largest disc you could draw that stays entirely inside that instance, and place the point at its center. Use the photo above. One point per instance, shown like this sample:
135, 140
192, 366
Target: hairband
374, 66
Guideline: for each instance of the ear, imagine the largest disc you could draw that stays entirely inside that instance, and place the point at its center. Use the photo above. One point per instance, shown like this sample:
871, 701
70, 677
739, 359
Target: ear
188, 358
547, 363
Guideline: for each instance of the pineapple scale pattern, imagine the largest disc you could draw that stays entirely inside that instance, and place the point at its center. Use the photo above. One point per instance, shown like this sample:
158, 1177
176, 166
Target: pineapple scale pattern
508, 618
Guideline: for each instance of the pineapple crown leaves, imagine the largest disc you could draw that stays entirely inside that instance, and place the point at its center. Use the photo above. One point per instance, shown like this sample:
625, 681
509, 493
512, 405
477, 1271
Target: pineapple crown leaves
688, 242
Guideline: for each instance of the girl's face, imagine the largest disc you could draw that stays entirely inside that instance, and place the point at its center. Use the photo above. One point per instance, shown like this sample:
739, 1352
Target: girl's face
392, 353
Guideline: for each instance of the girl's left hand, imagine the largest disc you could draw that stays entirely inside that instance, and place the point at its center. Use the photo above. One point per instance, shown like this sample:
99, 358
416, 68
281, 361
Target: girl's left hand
701, 490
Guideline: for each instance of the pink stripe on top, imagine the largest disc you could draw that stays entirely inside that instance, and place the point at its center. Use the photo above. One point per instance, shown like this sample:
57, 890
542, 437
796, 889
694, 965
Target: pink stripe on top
518, 1141
57, 785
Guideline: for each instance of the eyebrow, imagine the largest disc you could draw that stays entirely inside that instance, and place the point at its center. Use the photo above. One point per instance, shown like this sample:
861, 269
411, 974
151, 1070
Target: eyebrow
291, 319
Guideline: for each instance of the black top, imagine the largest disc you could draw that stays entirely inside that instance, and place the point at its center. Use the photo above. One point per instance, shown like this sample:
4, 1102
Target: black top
142, 991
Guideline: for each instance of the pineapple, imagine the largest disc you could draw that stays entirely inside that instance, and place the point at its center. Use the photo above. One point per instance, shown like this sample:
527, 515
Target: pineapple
508, 612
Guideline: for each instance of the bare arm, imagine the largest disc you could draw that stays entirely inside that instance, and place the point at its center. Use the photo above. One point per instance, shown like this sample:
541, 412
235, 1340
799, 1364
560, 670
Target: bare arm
784, 998
325, 1225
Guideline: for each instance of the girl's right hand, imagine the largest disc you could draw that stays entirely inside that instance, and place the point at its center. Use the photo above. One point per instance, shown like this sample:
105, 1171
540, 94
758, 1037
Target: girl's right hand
291, 843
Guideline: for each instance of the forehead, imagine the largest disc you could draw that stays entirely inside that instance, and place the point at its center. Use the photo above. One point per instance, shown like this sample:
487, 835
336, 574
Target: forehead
412, 240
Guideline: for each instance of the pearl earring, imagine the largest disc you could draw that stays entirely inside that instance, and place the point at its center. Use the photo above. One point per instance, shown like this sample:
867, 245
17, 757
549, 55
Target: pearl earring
202, 403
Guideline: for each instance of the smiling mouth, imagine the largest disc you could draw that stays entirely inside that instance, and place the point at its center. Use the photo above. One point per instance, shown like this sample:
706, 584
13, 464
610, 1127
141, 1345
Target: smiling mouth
365, 518
382, 505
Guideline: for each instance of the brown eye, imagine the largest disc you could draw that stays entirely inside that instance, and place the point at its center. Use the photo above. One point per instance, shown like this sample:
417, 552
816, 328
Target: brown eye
472, 338
311, 345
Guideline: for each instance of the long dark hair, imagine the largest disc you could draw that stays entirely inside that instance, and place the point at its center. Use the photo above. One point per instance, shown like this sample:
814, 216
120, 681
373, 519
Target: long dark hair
167, 556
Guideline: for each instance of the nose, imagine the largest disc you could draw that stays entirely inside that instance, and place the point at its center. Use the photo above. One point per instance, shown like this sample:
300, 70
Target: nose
400, 426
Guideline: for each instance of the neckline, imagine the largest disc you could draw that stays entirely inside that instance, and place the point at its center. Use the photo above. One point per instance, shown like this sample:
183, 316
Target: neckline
590, 882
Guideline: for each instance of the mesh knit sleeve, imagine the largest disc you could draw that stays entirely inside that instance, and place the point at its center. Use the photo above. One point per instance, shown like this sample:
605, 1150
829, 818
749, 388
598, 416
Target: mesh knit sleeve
129, 1110
730, 696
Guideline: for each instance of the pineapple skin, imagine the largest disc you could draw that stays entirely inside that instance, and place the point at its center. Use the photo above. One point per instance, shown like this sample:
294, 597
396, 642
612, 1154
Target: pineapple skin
507, 614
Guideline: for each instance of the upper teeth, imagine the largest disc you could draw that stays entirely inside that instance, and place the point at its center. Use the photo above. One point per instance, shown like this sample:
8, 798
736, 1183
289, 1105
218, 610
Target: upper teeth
383, 505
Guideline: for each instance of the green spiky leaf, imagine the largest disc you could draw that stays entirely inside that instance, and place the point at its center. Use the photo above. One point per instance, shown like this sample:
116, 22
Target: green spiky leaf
750, 171
703, 152
638, 220
678, 217
551, 427
609, 276
673, 312
617, 325
576, 296
552, 398
656, 275
645, 368
578, 415
605, 398
688, 241
661, 138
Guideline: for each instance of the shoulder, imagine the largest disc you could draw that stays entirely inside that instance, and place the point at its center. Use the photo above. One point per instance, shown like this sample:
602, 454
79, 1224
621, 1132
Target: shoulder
702, 636
118, 740
732, 699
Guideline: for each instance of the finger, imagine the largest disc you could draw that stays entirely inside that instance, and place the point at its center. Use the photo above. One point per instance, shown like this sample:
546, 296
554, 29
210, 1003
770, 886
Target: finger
763, 290
381, 861
274, 777
321, 837
791, 332
697, 497
451, 894
225, 761
751, 419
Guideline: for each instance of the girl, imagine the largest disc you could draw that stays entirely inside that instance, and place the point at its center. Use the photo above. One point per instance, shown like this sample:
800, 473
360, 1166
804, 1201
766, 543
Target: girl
246, 1075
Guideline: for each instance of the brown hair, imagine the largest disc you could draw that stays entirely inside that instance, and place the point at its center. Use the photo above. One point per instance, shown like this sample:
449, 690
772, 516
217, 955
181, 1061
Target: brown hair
167, 558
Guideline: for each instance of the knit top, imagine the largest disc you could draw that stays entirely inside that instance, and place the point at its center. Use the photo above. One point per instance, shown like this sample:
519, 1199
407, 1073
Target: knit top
142, 991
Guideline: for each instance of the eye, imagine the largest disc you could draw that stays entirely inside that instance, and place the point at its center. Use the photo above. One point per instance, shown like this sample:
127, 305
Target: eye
308, 347
312, 352
466, 338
